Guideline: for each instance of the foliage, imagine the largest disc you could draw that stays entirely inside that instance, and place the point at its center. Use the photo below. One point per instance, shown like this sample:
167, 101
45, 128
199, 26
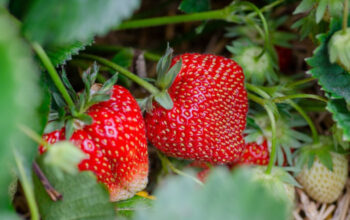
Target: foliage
88, 201
225, 196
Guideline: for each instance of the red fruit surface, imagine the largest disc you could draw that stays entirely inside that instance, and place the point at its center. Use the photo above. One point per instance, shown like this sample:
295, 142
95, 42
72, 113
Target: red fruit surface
255, 154
116, 144
284, 57
209, 113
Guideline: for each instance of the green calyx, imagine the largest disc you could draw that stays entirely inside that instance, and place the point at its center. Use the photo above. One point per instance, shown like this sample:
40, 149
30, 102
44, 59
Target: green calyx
165, 78
287, 137
339, 49
322, 150
74, 118
258, 65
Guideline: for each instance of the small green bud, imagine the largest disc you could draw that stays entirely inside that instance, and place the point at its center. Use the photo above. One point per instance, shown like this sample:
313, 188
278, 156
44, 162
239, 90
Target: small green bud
339, 49
64, 156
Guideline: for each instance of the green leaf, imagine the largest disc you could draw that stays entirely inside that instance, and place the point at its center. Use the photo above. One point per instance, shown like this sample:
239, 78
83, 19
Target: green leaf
333, 78
163, 64
19, 102
44, 108
83, 197
325, 158
191, 6
127, 208
164, 99
321, 9
124, 57
304, 6
63, 22
224, 196
341, 115
61, 54
69, 128
170, 76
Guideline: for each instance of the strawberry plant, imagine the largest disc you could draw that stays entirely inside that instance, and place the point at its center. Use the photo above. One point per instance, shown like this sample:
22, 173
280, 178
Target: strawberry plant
189, 109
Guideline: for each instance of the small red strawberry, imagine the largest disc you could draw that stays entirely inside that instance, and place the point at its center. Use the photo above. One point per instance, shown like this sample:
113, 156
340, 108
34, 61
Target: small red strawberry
255, 154
115, 142
208, 114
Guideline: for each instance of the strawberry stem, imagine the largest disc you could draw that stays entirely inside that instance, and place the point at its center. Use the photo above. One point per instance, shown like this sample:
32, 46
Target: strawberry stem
113, 49
307, 119
257, 90
27, 187
300, 82
166, 162
53, 73
151, 22
34, 136
54, 195
273, 141
298, 96
148, 86
221, 14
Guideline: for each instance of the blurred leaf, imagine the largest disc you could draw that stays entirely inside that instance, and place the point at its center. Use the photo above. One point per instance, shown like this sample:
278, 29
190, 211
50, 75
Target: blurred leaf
19, 101
304, 6
333, 78
44, 108
83, 197
341, 115
66, 21
224, 196
124, 57
61, 54
127, 208
191, 6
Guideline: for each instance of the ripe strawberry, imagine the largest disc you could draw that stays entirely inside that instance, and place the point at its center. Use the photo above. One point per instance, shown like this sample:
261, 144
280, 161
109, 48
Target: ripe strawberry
322, 184
115, 143
209, 111
255, 154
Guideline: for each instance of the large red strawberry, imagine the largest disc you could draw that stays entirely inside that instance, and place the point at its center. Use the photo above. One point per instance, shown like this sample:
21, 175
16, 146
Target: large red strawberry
255, 154
115, 143
208, 114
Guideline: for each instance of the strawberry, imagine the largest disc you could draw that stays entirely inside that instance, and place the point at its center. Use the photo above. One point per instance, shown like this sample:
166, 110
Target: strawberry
256, 154
325, 176
115, 142
208, 114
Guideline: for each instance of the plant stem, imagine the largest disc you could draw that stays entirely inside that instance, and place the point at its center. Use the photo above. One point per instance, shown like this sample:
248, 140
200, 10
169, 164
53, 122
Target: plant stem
273, 141
299, 82
53, 73
224, 14
34, 136
148, 86
257, 90
27, 188
266, 8
166, 161
307, 119
151, 22
54, 195
256, 99
298, 96
345, 15
112, 48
